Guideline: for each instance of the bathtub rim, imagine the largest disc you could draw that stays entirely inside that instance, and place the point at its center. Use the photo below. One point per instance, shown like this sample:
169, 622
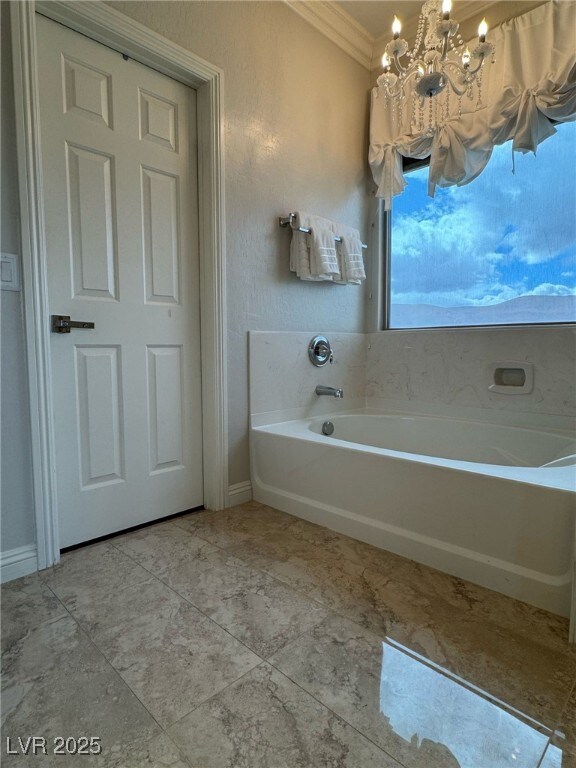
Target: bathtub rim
374, 405
341, 416
561, 479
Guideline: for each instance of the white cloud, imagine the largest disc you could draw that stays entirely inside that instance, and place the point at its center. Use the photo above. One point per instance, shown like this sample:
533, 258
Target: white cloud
548, 289
476, 245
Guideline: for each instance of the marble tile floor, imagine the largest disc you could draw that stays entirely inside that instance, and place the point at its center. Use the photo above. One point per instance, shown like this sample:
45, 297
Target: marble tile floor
248, 638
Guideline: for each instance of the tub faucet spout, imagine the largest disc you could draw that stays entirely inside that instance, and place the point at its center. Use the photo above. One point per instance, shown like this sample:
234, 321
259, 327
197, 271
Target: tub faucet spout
330, 391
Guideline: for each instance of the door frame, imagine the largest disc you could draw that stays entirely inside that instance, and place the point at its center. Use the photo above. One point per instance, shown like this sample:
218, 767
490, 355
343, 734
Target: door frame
115, 30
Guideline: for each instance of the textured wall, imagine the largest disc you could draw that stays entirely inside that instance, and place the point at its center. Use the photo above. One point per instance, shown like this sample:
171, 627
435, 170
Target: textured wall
295, 119
451, 367
17, 521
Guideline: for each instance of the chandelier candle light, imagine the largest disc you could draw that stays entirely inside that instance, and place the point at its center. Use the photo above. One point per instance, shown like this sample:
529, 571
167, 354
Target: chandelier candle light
438, 59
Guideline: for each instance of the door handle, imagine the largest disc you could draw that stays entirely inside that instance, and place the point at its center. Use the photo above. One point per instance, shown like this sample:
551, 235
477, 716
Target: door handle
63, 324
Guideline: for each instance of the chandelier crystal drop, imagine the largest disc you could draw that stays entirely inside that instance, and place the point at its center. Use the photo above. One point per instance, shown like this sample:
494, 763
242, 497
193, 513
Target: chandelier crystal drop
438, 63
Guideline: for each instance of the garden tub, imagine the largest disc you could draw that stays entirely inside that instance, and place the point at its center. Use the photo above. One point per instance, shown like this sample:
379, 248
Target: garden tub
489, 503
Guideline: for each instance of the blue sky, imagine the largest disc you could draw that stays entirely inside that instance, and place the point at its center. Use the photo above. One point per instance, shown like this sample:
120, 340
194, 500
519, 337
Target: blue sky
500, 237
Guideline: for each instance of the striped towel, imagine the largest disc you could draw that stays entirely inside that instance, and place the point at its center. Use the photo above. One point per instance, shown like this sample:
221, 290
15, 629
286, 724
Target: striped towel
350, 256
300, 257
313, 256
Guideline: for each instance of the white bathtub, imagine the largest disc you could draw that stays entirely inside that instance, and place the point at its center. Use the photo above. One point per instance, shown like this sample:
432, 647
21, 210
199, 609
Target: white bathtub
473, 499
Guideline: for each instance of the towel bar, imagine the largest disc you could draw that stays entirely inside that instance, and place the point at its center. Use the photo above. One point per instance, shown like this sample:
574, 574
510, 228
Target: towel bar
287, 221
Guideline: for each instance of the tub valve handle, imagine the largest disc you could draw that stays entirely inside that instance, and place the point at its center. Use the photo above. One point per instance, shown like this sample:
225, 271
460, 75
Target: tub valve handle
323, 350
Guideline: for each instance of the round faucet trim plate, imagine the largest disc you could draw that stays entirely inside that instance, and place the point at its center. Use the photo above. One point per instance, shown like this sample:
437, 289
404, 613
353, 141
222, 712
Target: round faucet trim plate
320, 351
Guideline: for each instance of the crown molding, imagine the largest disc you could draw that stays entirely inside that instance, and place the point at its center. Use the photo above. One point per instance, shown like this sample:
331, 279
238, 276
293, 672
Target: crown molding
342, 29
337, 25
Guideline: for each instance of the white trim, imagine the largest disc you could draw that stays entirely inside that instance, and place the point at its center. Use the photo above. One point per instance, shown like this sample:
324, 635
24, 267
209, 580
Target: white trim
240, 493
18, 562
337, 25
106, 25
34, 280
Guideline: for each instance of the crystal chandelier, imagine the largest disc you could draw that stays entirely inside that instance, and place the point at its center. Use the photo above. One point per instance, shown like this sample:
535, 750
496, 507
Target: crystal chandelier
438, 59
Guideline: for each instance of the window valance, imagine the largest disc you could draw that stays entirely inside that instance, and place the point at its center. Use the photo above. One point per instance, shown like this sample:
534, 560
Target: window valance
531, 85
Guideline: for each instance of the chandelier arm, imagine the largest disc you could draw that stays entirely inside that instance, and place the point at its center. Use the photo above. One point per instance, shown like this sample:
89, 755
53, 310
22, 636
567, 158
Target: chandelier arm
478, 67
393, 94
444, 53
458, 67
414, 70
458, 90
399, 66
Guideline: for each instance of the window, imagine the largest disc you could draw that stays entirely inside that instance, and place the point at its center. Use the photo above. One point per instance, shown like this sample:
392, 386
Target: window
498, 251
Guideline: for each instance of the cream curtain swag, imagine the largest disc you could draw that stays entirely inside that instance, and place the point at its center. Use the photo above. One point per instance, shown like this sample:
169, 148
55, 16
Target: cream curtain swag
531, 86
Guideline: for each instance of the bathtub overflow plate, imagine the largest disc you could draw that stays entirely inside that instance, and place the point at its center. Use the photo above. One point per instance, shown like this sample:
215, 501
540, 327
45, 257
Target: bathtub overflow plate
320, 351
327, 428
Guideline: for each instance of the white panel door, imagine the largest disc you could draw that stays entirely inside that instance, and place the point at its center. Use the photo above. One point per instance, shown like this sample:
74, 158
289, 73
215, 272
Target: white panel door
118, 144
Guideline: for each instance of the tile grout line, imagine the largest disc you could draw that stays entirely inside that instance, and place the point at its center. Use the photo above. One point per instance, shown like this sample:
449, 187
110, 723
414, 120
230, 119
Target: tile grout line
324, 606
543, 755
337, 716
86, 634
276, 581
175, 522
263, 660
294, 537
558, 724
286, 584
125, 684
67, 614
351, 560
227, 551
189, 602
214, 695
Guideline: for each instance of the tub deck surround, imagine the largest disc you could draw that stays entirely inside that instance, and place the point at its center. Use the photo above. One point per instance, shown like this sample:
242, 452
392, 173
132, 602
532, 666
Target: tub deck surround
454, 368
282, 644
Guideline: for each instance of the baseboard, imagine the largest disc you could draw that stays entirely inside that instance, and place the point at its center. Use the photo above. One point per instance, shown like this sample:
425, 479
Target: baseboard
18, 562
240, 493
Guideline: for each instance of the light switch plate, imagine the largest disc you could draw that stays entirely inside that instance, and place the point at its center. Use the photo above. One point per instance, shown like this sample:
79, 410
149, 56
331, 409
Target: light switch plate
10, 272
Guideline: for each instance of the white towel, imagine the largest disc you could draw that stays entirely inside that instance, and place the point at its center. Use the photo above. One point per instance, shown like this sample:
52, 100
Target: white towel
300, 257
350, 255
323, 261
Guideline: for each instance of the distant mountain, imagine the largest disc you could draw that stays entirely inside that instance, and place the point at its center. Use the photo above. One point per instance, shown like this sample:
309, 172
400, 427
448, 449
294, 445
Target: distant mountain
525, 309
